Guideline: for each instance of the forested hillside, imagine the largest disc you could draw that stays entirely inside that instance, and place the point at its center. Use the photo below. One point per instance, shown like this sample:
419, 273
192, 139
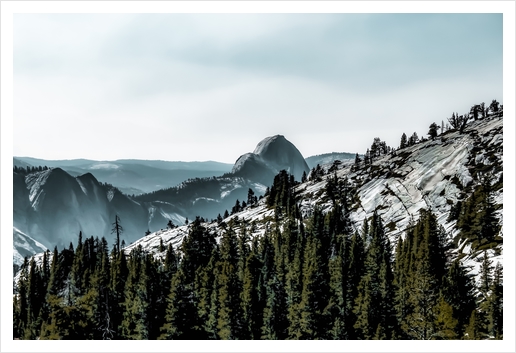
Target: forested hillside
406, 243
303, 280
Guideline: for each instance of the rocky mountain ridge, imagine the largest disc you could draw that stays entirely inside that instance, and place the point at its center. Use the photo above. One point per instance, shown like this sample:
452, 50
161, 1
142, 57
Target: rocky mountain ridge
433, 175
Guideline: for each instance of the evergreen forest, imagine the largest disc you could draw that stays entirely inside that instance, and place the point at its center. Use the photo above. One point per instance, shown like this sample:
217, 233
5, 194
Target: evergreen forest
311, 278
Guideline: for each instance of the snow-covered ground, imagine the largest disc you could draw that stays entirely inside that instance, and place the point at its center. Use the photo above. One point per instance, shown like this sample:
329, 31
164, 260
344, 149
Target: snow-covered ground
24, 245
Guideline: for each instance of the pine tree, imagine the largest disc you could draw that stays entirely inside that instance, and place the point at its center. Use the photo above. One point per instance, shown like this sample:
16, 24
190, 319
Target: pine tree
251, 199
475, 329
474, 111
421, 264
373, 306
294, 283
495, 305
494, 106
420, 323
181, 313
210, 326
135, 322
103, 318
275, 323
197, 249
251, 308
485, 110
204, 288
229, 288
356, 163
117, 229
118, 278
22, 308
458, 291
34, 301
236, 208
445, 322
354, 274
271, 293
336, 308
401, 280
314, 296
16, 317
79, 266
432, 132
485, 276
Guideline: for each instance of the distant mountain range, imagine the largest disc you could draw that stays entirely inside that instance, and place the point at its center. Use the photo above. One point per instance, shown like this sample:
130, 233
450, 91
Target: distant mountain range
133, 176
136, 176
52, 206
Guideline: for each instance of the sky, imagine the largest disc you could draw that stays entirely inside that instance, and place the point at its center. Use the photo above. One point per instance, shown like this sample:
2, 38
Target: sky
197, 87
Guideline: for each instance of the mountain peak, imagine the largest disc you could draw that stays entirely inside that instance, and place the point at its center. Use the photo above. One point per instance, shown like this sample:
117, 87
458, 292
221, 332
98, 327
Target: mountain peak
271, 155
265, 144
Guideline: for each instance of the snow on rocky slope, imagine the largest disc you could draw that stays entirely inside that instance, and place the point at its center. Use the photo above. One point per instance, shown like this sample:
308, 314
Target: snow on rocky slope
431, 174
24, 245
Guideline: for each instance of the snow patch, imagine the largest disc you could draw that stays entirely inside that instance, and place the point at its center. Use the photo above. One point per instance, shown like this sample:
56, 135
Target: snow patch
24, 245
260, 188
110, 194
82, 186
35, 182
232, 187
205, 199
176, 218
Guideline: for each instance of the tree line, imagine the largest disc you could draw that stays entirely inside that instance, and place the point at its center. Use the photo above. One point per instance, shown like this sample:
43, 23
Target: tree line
29, 169
455, 123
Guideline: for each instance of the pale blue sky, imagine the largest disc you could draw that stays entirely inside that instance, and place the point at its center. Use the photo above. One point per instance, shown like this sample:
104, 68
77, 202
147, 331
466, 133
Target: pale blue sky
211, 86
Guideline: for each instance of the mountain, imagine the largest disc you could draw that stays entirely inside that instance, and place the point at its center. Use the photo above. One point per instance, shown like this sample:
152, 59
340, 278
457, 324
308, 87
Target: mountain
328, 158
51, 207
133, 176
209, 197
271, 155
436, 175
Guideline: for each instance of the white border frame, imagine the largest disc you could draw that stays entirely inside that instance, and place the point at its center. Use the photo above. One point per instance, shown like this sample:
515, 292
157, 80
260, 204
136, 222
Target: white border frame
8, 8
